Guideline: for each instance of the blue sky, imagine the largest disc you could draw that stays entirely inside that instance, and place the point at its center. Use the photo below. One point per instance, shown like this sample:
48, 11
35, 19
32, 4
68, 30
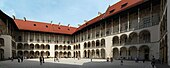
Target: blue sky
66, 12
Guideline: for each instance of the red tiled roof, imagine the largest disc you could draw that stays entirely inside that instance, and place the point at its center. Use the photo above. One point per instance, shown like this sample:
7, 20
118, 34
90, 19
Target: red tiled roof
114, 9
43, 27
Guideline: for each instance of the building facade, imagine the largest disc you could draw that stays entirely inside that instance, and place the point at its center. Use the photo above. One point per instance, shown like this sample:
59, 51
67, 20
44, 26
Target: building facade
128, 29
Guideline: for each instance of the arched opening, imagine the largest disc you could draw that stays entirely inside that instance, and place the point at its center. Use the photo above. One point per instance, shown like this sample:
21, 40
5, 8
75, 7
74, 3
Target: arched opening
97, 53
31, 54
89, 45
20, 53
74, 54
115, 53
65, 54
65, 47
56, 54
103, 53
79, 46
93, 44
132, 52
69, 47
60, 47
115, 41
42, 46
123, 39
1, 54
85, 45
37, 54
69, 54
20, 46
93, 53
133, 38
123, 52
103, 43
26, 46
144, 36
42, 53
85, 54
37, 46
56, 47
144, 52
48, 46
61, 54
47, 54
97, 43
26, 54
88, 54
31, 46
1, 42
79, 54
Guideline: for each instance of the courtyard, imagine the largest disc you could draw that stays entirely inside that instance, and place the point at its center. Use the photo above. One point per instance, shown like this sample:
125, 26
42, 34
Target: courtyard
73, 63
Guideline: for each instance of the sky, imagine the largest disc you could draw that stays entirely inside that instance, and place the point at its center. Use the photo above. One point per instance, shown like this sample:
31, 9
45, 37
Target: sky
66, 12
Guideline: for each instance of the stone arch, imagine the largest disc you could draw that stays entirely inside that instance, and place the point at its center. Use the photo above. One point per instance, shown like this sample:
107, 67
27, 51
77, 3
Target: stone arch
37, 46
60, 47
42, 46
85, 45
123, 39
144, 36
88, 54
20, 53
26, 46
69, 54
144, 51
115, 53
65, 54
133, 52
31, 54
69, 47
37, 54
85, 54
56, 54
103, 53
93, 53
26, 54
103, 42
115, 41
97, 43
56, 47
93, 44
65, 47
20, 46
31, 46
123, 52
97, 53
47, 53
133, 38
61, 54
48, 46
1, 54
89, 44
2, 42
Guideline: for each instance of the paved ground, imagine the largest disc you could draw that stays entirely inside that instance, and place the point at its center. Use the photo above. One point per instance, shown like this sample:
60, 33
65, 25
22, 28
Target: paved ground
73, 63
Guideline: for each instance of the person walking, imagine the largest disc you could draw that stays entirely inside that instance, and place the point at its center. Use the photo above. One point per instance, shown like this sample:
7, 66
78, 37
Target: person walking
40, 60
153, 62
43, 59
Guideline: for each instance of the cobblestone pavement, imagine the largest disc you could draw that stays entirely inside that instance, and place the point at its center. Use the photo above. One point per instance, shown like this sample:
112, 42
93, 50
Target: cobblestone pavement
73, 63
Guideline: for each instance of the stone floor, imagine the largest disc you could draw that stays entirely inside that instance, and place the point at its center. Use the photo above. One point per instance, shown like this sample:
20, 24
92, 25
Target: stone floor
73, 63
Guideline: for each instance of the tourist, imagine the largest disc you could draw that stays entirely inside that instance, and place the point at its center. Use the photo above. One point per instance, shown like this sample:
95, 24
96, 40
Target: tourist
153, 62
40, 60
43, 59
12, 59
121, 62
22, 59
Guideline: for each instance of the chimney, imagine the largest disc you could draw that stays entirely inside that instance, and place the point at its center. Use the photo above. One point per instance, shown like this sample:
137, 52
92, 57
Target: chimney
59, 23
51, 22
85, 21
13, 17
68, 25
99, 13
79, 25
25, 19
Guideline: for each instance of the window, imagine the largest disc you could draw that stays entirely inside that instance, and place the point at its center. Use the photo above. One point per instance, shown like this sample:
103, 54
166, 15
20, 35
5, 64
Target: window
46, 26
124, 5
34, 24
1, 42
112, 11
